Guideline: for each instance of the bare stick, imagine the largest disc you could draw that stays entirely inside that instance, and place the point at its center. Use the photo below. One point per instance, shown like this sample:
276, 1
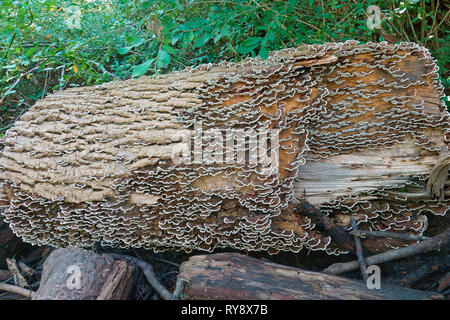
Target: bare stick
433, 243
17, 290
387, 234
359, 254
179, 287
149, 273
326, 225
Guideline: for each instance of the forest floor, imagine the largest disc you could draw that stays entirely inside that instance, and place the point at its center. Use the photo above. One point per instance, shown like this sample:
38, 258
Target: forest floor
166, 264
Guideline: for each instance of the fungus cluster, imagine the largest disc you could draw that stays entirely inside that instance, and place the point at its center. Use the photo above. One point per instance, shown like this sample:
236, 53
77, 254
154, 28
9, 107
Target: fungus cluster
95, 164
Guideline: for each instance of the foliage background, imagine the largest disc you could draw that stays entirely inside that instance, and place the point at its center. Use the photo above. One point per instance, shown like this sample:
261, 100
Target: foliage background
51, 45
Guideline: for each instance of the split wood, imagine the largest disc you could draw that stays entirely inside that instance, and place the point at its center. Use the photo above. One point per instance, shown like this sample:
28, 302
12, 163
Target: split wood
149, 273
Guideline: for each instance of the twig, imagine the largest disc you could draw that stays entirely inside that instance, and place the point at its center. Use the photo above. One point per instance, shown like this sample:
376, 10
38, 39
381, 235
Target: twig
148, 272
359, 255
326, 225
103, 70
17, 290
165, 261
387, 234
433, 243
21, 76
179, 287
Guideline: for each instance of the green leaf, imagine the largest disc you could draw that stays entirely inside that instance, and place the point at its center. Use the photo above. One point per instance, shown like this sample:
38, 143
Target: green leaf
124, 50
142, 68
163, 58
169, 49
134, 42
249, 44
200, 42
263, 53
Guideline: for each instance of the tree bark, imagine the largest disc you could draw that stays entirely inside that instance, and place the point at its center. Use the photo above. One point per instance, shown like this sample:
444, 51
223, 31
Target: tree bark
142, 162
78, 274
230, 276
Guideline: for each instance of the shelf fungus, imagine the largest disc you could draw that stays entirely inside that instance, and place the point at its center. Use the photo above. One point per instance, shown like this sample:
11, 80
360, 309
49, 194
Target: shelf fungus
216, 155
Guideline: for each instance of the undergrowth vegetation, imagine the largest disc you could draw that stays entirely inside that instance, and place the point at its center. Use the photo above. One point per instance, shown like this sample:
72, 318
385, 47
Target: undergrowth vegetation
51, 45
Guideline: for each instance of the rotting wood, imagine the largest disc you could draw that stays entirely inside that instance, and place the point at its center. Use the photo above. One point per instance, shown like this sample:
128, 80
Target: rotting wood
359, 253
149, 273
78, 274
440, 264
434, 243
17, 290
326, 225
231, 276
19, 279
5, 274
387, 234
359, 126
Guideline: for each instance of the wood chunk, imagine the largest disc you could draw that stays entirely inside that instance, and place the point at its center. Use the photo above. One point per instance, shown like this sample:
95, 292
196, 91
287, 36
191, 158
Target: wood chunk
78, 274
232, 276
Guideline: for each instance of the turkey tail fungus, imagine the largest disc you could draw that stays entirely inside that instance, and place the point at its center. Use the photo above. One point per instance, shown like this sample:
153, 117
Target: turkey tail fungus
216, 155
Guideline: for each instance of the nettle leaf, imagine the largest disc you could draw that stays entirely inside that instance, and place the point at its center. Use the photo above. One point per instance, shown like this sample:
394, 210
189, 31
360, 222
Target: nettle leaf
263, 52
201, 41
134, 42
249, 44
124, 50
163, 58
142, 68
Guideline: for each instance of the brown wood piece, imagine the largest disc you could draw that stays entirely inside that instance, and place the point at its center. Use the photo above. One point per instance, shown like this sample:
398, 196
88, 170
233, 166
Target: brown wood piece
233, 276
78, 274
326, 225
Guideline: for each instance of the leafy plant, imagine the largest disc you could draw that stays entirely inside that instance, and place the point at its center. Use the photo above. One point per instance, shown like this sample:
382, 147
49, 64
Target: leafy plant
51, 45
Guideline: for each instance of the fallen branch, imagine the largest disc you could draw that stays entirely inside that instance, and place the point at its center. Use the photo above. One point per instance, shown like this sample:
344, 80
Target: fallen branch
149, 273
359, 254
387, 234
424, 271
21, 76
179, 287
327, 226
17, 290
230, 276
433, 243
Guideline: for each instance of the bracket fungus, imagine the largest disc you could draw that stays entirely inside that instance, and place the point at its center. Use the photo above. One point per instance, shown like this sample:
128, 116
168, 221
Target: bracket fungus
358, 126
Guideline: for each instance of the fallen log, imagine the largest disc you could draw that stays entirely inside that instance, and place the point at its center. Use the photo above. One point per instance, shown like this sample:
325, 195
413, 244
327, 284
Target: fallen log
78, 274
214, 156
230, 276
434, 243
440, 264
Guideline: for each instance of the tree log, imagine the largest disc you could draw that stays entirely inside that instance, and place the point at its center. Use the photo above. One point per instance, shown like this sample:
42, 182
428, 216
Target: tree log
78, 274
214, 156
230, 276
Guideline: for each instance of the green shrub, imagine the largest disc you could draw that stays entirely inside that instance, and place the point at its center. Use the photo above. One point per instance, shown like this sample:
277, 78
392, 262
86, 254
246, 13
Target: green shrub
50, 45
